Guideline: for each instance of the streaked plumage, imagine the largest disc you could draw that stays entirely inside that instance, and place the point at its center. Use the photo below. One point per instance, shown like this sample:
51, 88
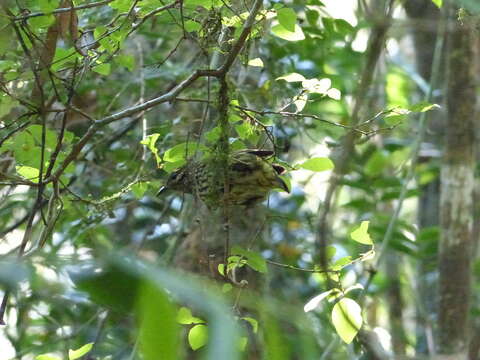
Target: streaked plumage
251, 177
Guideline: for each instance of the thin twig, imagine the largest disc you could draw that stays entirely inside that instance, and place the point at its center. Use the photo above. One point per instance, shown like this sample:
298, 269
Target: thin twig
291, 267
62, 10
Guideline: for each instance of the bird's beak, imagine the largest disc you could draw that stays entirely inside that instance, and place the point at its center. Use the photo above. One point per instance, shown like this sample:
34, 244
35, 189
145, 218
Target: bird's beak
282, 184
162, 190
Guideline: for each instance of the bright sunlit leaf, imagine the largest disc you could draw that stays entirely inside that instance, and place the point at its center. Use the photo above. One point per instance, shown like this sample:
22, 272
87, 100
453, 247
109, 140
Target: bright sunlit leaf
313, 303
279, 31
47, 357
347, 319
317, 86
77, 354
361, 234
318, 164
29, 173
334, 94
256, 62
185, 317
198, 336
292, 77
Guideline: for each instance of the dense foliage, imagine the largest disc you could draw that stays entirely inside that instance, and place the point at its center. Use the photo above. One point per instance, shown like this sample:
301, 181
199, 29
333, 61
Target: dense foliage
102, 101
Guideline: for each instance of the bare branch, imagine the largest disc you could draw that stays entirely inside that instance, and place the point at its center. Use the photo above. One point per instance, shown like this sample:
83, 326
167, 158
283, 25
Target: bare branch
62, 10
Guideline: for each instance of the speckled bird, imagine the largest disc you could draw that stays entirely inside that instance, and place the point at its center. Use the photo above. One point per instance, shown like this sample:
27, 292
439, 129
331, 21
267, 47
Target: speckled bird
250, 179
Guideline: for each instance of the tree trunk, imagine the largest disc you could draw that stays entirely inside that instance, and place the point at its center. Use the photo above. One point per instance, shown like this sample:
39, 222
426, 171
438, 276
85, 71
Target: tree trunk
456, 202
424, 16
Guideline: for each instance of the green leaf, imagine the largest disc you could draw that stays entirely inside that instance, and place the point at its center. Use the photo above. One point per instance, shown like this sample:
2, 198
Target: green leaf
62, 57
191, 25
139, 189
213, 135
77, 354
423, 107
292, 77
331, 251
185, 317
361, 234
317, 164
102, 69
47, 357
198, 336
28, 173
48, 5
172, 166
376, 163
287, 181
50, 136
242, 343
159, 330
6, 104
127, 61
221, 269
312, 17
244, 130
287, 18
347, 319
181, 151
297, 35
343, 26
256, 62
438, 3
121, 5
207, 4
341, 263
252, 322
41, 21
149, 142
254, 260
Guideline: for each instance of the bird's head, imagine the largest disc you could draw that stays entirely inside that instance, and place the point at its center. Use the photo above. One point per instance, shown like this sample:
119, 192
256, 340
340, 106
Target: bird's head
177, 180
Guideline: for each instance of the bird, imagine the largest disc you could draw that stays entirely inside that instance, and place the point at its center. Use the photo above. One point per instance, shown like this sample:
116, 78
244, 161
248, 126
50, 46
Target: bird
250, 179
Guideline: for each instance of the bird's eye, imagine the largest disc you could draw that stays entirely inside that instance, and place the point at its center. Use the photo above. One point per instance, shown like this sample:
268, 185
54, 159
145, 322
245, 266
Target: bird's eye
177, 176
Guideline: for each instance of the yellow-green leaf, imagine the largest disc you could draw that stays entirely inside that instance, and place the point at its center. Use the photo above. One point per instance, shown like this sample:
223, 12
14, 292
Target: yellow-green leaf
191, 25
185, 317
361, 234
28, 172
198, 336
313, 303
292, 77
347, 319
77, 354
149, 142
317, 164
256, 62
47, 357
297, 35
